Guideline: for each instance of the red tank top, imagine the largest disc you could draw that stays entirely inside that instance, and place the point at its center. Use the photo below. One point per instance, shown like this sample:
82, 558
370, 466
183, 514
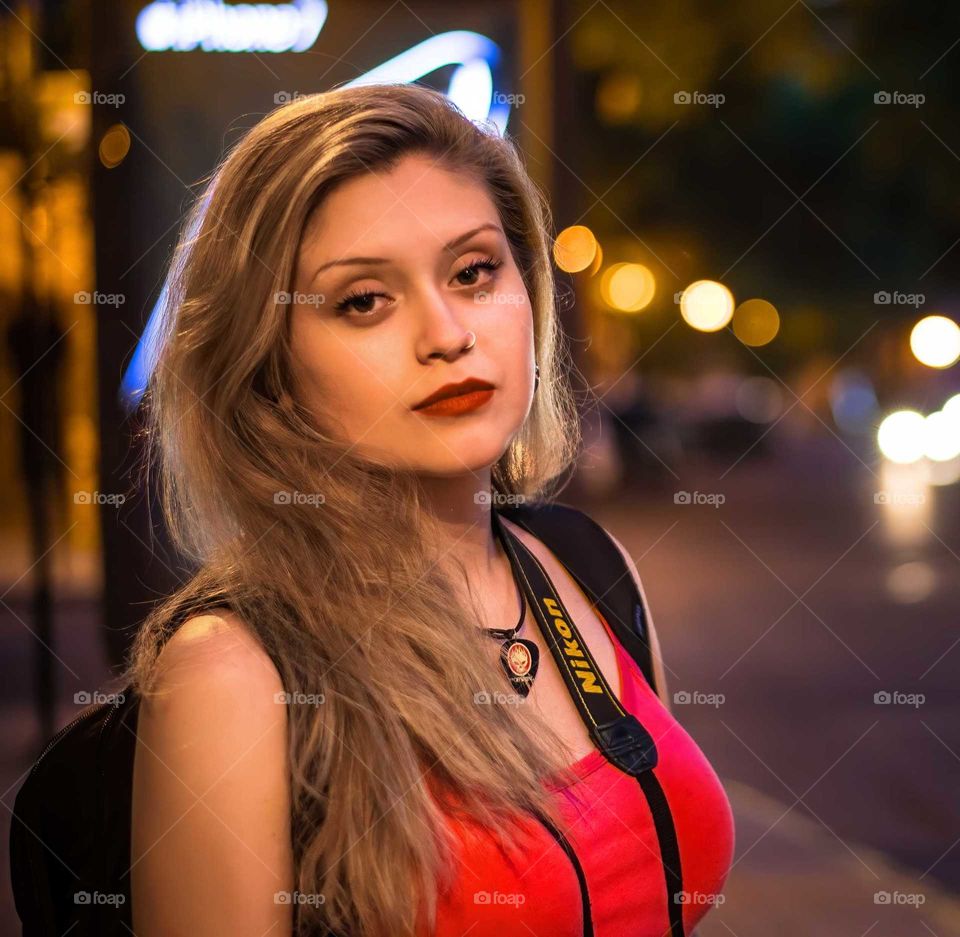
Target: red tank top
538, 890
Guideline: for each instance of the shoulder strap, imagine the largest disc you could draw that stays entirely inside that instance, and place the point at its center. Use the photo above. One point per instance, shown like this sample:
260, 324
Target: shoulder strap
596, 564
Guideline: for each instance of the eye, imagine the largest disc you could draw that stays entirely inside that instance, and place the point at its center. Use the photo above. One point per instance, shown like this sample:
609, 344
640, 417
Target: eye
360, 302
472, 270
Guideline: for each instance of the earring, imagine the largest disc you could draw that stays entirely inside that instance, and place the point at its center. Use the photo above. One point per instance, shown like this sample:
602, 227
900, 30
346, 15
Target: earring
536, 377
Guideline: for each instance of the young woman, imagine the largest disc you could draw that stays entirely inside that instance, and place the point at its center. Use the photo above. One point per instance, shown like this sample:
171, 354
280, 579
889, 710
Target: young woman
360, 353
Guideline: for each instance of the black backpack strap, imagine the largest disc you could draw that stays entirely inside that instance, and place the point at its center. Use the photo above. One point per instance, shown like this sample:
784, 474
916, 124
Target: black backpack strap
598, 567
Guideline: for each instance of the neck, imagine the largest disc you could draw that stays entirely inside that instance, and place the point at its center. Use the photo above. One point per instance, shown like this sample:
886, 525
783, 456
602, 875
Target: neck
481, 567
461, 507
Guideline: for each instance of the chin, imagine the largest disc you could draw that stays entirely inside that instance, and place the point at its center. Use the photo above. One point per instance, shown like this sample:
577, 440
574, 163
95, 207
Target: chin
446, 448
453, 469
450, 454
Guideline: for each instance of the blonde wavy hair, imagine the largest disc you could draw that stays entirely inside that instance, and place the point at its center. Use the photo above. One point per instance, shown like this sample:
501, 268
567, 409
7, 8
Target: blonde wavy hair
351, 601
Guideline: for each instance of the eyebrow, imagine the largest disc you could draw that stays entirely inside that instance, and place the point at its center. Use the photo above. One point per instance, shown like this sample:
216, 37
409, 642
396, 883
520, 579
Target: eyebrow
450, 245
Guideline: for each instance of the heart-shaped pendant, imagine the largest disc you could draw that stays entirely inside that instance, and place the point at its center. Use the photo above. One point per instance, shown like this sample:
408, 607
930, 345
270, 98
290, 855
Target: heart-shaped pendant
520, 659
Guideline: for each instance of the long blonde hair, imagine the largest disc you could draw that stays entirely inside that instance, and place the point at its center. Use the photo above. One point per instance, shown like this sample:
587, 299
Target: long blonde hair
351, 600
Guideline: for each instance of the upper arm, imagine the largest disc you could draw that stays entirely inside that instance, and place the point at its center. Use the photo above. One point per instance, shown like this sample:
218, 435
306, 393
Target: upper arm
210, 843
658, 669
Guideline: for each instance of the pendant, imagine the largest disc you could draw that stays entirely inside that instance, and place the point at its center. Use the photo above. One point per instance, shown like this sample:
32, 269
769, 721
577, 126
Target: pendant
520, 659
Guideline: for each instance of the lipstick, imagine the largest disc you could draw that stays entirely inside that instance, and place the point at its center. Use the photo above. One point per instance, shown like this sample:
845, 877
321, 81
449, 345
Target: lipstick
455, 399
462, 403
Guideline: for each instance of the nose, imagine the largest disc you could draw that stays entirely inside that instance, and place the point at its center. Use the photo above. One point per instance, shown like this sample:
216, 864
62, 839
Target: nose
441, 334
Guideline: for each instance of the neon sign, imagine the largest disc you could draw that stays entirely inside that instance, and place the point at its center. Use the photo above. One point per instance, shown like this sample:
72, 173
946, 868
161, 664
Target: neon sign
213, 26
471, 85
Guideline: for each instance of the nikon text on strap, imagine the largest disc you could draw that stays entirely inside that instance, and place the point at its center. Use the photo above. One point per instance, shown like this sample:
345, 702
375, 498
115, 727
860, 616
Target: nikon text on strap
591, 557
619, 735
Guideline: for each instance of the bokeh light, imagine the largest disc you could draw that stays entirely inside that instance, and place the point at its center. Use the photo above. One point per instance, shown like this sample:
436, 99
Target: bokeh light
706, 305
756, 322
902, 436
628, 287
114, 146
943, 436
575, 248
597, 261
935, 341
911, 582
853, 400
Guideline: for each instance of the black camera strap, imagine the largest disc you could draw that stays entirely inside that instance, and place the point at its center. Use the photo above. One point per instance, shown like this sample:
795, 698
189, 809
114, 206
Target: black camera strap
619, 735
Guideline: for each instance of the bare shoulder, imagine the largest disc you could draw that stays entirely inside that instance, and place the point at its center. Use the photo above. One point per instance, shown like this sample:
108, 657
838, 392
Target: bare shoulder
211, 844
215, 646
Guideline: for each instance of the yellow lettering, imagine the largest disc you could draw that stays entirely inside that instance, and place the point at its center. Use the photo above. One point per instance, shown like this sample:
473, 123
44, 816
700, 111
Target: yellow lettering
588, 681
572, 649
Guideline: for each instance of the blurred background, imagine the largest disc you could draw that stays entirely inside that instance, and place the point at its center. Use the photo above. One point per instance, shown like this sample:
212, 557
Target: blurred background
757, 218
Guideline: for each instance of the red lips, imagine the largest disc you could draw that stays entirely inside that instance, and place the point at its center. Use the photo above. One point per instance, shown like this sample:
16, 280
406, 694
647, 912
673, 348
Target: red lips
470, 385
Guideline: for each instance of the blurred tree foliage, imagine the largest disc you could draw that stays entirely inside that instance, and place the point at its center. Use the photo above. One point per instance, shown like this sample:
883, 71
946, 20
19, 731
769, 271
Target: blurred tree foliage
711, 189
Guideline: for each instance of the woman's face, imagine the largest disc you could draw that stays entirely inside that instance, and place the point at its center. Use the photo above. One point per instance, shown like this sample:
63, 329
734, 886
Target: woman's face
394, 272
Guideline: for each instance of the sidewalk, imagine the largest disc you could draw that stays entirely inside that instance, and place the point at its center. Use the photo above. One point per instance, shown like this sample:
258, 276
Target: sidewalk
791, 877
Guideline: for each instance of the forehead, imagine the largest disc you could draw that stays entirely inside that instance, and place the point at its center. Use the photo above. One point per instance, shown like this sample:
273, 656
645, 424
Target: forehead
418, 204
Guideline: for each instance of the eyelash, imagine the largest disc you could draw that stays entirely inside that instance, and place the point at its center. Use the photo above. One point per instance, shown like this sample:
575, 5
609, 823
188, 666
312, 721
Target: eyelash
343, 306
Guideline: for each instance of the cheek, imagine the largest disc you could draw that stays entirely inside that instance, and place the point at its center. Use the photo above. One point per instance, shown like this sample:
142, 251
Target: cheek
351, 382
507, 328
310, 359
